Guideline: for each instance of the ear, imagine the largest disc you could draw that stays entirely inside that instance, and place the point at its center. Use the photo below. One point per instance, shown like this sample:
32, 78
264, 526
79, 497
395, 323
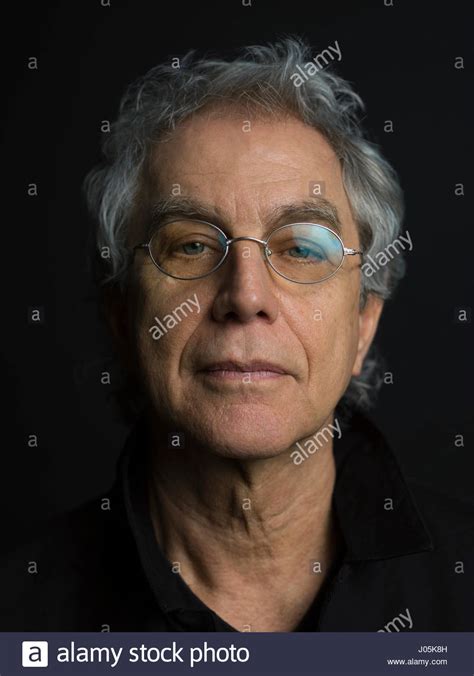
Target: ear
368, 321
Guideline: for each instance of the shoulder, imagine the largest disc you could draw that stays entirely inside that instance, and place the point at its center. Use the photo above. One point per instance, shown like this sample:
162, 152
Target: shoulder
69, 557
448, 518
68, 533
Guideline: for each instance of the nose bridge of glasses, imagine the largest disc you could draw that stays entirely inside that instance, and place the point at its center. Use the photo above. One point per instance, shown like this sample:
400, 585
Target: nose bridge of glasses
253, 239
248, 237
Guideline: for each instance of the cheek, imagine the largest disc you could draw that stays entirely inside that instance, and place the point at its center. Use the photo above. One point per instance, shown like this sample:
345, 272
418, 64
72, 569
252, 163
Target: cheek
157, 337
328, 331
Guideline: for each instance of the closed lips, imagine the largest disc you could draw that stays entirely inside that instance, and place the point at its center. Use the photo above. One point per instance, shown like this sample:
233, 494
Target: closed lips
247, 367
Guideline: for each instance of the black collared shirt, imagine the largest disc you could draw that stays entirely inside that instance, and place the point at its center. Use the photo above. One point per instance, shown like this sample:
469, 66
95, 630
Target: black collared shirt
407, 561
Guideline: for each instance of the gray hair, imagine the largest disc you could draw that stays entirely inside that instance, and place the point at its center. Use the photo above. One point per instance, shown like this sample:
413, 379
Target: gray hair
157, 102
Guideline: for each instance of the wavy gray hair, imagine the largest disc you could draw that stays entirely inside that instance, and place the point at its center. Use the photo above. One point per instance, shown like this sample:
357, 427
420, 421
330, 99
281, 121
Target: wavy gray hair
157, 102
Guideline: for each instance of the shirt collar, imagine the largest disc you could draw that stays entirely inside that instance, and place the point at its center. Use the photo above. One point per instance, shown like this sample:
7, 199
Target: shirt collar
376, 511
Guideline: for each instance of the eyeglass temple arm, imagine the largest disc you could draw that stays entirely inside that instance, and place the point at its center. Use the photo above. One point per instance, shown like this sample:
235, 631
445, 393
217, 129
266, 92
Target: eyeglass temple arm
352, 252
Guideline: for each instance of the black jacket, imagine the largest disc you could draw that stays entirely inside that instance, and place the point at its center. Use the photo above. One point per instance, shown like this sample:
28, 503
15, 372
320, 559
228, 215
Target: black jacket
409, 567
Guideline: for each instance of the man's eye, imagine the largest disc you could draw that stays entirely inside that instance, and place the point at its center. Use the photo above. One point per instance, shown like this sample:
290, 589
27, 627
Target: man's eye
307, 252
193, 248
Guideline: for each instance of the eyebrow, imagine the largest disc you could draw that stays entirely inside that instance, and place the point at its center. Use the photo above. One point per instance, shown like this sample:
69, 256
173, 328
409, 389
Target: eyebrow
314, 210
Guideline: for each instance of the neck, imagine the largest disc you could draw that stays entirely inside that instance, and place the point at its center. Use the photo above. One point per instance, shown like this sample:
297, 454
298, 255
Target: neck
224, 519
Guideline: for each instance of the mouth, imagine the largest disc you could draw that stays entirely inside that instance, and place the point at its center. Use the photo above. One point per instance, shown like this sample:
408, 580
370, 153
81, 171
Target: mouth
234, 370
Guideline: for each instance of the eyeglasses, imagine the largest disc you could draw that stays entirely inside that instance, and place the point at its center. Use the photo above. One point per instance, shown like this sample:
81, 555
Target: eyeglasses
305, 253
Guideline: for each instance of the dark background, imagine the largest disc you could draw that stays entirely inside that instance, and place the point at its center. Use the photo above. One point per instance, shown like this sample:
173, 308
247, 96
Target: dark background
401, 61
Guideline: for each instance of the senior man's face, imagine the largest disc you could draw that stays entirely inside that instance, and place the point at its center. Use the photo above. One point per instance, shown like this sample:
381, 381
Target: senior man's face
315, 333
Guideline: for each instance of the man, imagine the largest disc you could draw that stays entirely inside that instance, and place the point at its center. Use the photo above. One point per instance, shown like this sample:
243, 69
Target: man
235, 212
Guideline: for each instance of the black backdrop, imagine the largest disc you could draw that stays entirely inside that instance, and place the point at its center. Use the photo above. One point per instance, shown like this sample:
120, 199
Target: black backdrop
401, 59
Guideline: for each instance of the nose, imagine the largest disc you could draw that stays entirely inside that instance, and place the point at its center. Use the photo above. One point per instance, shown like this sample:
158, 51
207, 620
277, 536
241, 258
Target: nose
246, 287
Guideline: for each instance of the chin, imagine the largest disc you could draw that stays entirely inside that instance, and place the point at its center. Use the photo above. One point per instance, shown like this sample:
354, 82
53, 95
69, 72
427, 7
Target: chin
242, 429
243, 441
240, 450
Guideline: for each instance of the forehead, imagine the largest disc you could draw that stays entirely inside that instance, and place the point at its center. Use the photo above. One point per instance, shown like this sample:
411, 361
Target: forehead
246, 166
